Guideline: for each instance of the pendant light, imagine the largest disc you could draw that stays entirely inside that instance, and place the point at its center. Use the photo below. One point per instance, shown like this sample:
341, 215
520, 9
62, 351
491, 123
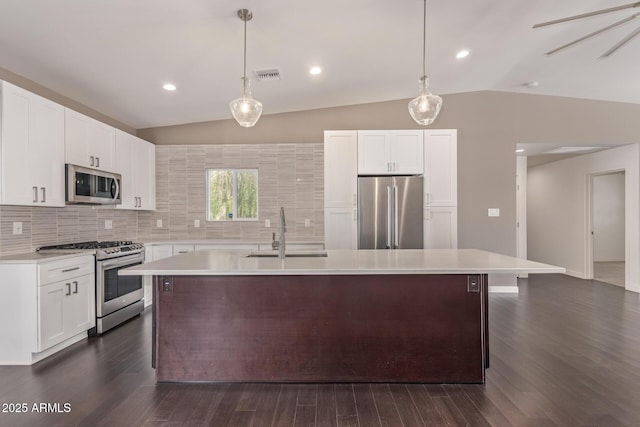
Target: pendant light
425, 107
245, 109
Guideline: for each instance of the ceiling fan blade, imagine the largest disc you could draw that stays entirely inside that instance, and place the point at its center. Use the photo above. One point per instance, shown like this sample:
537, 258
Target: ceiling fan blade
595, 33
621, 43
586, 15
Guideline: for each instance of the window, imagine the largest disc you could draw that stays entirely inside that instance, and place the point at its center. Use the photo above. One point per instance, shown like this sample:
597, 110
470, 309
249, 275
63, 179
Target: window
232, 194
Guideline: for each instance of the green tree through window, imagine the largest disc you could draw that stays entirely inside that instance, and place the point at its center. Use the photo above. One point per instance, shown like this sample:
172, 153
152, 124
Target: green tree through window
232, 194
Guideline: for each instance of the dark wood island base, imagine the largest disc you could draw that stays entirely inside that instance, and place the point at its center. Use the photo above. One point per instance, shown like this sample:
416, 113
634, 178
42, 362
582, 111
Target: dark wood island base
427, 328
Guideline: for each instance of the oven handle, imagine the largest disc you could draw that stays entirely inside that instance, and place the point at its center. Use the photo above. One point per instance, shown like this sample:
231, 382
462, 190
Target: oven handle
119, 262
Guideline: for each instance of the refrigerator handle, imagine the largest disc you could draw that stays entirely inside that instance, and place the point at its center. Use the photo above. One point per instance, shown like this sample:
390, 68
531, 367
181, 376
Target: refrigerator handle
396, 243
388, 217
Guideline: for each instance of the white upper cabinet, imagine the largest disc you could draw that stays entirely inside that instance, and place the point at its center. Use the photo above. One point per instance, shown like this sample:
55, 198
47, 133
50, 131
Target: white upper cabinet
135, 161
88, 142
32, 149
396, 152
406, 156
441, 167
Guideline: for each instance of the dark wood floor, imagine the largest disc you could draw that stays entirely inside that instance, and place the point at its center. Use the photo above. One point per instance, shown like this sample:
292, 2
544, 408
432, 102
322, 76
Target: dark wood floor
564, 352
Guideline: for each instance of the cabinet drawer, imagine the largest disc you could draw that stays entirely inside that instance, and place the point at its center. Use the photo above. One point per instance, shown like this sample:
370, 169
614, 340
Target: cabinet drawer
55, 271
182, 249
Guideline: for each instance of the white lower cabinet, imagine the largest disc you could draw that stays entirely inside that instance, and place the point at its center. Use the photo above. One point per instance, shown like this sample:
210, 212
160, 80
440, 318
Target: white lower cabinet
66, 309
45, 307
441, 228
341, 228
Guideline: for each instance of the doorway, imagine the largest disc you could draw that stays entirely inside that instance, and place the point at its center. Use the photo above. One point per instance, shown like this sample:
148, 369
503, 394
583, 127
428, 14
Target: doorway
607, 220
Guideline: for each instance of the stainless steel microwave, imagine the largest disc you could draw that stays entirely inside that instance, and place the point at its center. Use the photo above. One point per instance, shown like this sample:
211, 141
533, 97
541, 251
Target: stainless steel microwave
92, 187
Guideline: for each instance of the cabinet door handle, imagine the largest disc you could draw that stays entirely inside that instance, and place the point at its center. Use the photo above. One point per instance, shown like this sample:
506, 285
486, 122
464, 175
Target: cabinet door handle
97, 162
35, 194
44, 194
68, 285
75, 290
71, 269
139, 202
91, 160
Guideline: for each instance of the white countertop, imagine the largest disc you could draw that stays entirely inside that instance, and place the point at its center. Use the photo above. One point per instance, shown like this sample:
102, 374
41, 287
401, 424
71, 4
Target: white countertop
407, 261
230, 242
37, 257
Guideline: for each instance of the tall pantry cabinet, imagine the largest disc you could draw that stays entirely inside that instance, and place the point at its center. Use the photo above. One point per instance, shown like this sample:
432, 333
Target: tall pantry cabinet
440, 189
430, 153
340, 189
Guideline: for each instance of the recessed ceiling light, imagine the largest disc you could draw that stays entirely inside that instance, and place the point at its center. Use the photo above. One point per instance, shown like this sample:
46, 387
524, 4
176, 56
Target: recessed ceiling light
462, 54
521, 150
315, 70
170, 87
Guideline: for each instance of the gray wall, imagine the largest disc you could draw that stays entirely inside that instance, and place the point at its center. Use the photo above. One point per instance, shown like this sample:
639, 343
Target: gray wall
489, 124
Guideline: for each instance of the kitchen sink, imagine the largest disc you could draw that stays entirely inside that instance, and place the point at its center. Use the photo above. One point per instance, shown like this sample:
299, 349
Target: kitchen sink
289, 254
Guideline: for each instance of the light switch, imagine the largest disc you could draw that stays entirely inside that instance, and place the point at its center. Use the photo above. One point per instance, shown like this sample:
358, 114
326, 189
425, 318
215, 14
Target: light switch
196, 223
267, 223
494, 211
159, 223
307, 222
17, 227
108, 224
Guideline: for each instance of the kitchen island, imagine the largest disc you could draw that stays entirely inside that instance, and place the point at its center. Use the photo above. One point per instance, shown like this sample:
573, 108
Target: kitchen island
352, 316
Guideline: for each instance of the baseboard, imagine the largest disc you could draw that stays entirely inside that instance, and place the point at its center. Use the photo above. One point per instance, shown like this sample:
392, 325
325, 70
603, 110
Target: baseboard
503, 289
575, 274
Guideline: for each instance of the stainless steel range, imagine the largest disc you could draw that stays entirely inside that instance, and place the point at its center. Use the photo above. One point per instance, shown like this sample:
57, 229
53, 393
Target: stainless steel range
118, 298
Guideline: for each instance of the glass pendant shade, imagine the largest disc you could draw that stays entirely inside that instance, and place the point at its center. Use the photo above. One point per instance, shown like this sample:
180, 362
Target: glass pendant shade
245, 109
425, 107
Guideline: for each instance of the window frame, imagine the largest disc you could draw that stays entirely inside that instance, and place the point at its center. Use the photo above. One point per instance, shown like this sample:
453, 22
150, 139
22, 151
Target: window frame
234, 195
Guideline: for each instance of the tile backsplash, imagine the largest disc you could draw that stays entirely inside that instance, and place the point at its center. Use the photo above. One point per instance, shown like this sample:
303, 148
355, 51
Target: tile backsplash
50, 226
290, 175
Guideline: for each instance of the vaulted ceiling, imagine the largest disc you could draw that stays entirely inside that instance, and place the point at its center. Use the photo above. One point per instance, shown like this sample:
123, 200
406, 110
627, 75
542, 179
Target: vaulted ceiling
114, 56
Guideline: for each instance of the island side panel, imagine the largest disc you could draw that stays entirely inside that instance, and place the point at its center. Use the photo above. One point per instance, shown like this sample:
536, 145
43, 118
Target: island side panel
363, 328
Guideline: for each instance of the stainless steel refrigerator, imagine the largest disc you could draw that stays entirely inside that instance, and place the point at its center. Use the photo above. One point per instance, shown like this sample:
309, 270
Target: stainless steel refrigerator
390, 212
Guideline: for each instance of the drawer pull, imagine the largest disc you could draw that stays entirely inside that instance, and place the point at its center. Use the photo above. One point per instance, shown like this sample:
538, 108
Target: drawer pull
71, 269
75, 291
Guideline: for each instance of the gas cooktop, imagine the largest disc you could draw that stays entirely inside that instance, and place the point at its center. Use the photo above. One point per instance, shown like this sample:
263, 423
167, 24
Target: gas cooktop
105, 249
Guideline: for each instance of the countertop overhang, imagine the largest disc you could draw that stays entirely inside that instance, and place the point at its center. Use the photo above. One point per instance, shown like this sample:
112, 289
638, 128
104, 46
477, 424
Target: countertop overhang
342, 262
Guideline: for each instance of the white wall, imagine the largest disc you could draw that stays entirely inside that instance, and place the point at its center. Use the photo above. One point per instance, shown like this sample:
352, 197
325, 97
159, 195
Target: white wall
608, 217
556, 210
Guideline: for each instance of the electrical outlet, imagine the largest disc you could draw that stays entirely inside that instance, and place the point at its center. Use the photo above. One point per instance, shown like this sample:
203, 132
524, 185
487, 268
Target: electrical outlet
494, 212
267, 223
108, 224
17, 227
307, 222
196, 223
159, 223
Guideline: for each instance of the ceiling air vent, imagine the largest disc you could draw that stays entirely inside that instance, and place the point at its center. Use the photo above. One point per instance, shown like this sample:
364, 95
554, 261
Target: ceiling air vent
267, 75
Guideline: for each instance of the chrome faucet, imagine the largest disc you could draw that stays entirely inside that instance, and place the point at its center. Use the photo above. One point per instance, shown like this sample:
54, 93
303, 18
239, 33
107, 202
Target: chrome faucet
283, 229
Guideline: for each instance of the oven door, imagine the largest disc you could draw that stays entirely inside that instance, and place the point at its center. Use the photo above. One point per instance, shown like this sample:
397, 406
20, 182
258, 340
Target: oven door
114, 292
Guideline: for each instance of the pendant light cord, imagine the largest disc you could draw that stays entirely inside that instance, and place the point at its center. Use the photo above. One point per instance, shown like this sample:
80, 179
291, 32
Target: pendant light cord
424, 41
244, 73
